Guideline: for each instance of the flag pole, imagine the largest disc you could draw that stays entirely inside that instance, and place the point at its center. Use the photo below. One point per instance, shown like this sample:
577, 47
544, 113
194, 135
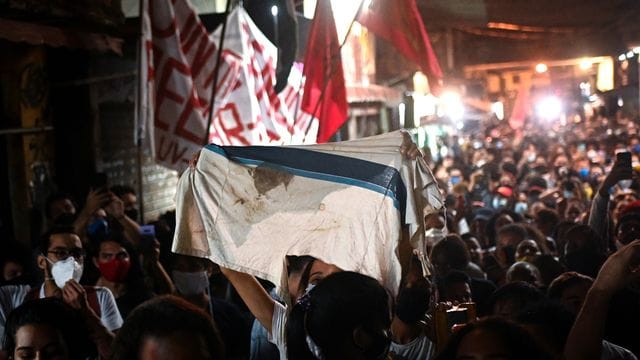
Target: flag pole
216, 71
335, 58
139, 115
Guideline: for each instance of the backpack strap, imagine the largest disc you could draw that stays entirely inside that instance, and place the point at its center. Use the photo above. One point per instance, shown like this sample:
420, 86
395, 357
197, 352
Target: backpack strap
92, 299
32, 294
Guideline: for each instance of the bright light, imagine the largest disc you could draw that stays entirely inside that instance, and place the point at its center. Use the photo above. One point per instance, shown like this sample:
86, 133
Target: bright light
630, 54
459, 125
423, 106
498, 109
585, 64
622, 57
402, 114
451, 106
636, 50
541, 68
274, 10
585, 88
620, 102
549, 108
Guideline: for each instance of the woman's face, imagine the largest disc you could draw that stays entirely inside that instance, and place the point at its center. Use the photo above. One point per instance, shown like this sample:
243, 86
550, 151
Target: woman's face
39, 341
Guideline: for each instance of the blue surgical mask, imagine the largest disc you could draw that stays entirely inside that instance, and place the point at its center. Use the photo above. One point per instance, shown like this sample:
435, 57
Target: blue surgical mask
521, 207
499, 202
567, 194
455, 180
636, 148
584, 173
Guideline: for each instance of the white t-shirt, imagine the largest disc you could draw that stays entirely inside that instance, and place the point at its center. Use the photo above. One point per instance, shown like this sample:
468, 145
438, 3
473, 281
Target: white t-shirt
419, 348
12, 296
278, 326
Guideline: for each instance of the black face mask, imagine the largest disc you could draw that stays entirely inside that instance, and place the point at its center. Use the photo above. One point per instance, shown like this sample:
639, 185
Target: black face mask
132, 214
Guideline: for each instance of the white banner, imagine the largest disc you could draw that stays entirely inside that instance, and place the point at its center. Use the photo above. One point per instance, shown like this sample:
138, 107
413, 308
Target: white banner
246, 208
178, 80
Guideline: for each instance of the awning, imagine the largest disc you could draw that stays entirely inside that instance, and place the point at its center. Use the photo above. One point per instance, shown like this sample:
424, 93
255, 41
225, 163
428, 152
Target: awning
36, 34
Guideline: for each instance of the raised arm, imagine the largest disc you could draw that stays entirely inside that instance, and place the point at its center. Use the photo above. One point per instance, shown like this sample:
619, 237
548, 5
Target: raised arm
599, 214
253, 294
585, 338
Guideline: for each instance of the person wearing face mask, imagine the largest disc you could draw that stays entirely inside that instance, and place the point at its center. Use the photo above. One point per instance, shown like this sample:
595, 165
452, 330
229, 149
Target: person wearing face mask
120, 272
61, 261
191, 280
129, 200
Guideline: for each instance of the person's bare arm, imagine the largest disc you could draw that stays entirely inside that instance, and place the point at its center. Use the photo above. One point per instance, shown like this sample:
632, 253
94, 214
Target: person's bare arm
115, 209
74, 295
253, 294
585, 338
160, 281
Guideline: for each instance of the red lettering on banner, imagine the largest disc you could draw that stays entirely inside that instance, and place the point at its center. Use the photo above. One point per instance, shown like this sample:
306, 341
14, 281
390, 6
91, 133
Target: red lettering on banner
234, 132
163, 90
203, 55
189, 33
169, 150
187, 112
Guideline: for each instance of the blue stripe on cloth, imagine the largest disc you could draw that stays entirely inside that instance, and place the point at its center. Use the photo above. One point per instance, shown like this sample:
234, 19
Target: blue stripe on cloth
369, 175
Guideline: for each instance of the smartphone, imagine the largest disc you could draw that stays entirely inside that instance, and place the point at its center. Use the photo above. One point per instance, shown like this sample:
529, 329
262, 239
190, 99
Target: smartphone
147, 235
448, 319
624, 157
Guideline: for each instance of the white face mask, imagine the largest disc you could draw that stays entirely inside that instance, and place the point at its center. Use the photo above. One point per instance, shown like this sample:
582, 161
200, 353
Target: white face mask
65, 270
190, 283
434, 235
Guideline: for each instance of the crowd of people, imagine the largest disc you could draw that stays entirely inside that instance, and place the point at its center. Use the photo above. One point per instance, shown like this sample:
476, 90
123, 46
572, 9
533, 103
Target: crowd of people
536, 256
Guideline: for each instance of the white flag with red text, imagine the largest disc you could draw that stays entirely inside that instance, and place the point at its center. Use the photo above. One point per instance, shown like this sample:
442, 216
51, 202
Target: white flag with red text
179, 57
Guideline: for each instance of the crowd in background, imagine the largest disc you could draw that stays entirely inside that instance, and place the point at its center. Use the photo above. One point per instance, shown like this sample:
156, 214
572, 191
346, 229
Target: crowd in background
538, 236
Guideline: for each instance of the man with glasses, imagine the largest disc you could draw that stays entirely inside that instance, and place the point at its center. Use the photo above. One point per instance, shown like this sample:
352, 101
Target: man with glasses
61, 260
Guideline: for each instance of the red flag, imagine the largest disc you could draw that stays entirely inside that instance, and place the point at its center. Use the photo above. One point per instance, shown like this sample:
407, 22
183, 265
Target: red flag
520, 108
325, 96
399, 23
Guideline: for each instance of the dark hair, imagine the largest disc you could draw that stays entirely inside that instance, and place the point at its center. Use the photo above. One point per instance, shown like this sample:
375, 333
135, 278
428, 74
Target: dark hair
592, 239
120, 190
549, 216
55, 313
553, 319
329, 314
456, 276
490, 230
514, 229
565, 281
56, 197
519, 293
45, 239
297, 264
136, 286
455, 251
165, 316
549, 267
518, 342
